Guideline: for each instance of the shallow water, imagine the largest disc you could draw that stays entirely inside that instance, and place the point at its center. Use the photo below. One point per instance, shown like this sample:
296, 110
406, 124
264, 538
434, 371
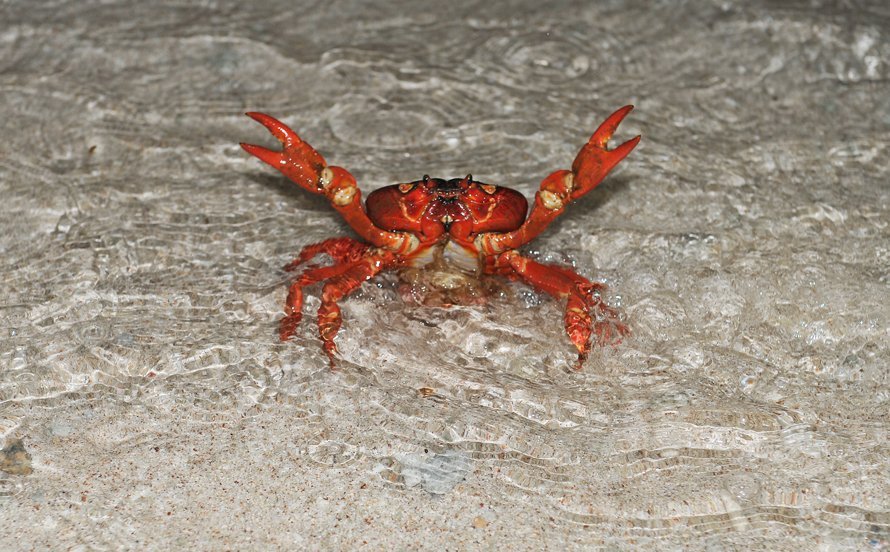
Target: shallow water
746, 239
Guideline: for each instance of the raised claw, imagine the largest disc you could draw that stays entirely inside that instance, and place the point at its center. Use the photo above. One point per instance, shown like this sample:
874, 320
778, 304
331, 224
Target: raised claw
562, 187
594, 161
298, 161
306, 167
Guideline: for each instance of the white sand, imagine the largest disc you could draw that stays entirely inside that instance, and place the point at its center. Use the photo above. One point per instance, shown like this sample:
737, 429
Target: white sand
747, 239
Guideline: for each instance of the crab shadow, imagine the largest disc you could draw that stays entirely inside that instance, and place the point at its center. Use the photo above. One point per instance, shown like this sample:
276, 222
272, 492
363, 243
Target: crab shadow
589, 205
292, 193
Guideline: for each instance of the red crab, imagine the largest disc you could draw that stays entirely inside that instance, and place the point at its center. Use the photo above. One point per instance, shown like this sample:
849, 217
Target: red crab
424, 225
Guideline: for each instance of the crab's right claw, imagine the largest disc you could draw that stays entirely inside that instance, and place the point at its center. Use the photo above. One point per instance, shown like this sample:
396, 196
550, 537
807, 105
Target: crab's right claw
298, 161
594, 161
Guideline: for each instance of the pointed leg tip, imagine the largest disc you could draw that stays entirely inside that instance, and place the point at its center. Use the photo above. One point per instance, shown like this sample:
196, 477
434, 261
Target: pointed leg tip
288, 326
582, 358
331, 351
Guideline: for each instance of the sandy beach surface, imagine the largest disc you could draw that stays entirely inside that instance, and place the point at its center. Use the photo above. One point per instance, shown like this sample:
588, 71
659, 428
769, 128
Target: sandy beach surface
146, 402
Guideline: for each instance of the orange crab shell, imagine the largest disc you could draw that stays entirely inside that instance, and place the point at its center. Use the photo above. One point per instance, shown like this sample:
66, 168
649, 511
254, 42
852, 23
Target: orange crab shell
459, 208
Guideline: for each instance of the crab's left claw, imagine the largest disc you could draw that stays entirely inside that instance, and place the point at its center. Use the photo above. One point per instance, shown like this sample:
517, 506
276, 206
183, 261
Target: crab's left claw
305, 166
298, 161
562, 187
594, 161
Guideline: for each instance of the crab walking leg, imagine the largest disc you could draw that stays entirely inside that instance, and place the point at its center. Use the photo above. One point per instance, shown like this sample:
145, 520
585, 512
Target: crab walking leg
560, 282
329, 318
307, 168
344, 251
609, 328
293, 306
340, 249
562, 187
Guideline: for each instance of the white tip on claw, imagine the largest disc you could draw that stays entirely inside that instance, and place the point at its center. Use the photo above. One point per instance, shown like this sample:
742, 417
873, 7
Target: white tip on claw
550, 200
569, 183
326, 177
344, 196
